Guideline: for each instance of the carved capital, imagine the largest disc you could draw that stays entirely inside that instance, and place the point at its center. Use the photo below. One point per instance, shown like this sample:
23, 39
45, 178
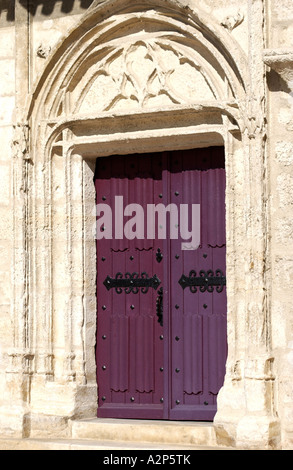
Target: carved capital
20, 362
281, 61
44, 365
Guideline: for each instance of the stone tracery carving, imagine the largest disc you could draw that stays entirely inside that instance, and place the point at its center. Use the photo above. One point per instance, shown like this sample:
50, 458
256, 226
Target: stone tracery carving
145, 72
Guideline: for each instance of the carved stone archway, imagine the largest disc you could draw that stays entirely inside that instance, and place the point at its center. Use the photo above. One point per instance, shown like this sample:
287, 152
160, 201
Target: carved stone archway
127, 79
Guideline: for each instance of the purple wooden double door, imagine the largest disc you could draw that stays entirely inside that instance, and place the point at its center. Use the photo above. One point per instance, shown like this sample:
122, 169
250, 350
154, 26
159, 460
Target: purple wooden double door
162, 311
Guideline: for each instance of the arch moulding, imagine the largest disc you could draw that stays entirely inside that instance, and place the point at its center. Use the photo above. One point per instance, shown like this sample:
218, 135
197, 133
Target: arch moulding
143, 78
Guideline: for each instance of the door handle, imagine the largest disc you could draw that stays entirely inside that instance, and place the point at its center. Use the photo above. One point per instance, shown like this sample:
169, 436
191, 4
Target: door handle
159, 306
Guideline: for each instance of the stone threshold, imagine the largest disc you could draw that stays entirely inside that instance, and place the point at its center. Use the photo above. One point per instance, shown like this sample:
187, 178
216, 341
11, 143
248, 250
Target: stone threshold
87, 444
180, 433
103, 434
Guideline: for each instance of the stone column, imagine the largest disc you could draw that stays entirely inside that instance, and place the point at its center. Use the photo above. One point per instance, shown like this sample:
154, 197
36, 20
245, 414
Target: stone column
246, 416
20, 356
280, 80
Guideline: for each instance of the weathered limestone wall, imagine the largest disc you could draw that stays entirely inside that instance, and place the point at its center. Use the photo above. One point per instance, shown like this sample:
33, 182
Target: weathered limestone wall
279, 58
257, 399
7, 114
26, 38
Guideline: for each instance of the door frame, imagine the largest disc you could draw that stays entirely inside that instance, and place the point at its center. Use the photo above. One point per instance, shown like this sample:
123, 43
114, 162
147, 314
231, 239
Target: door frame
206, 137
195, 134
71, 164
68, 317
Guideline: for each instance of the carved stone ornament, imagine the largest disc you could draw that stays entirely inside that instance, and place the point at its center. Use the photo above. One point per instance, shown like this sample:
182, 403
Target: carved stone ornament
20, 143
43, 51
281, 61
232, 21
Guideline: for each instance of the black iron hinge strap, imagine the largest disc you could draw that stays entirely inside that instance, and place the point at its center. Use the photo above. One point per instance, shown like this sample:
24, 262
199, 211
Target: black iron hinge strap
206, 281
131, 283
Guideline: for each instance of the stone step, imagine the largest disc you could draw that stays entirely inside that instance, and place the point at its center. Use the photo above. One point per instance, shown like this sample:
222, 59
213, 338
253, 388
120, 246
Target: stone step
119, 434
87, 444
185, 433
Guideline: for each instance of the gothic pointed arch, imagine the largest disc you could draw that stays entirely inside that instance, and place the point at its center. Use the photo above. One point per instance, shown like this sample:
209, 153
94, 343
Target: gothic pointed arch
129, 56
